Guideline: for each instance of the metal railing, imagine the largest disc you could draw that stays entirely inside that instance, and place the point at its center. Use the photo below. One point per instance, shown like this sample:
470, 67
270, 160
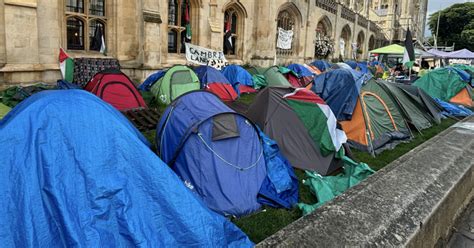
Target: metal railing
328, 5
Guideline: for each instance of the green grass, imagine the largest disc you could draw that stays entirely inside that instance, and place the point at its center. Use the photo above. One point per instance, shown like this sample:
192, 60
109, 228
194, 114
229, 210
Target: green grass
260, 225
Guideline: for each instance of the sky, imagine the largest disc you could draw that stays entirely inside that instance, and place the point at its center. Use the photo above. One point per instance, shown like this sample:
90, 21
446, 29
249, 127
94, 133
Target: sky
435, 5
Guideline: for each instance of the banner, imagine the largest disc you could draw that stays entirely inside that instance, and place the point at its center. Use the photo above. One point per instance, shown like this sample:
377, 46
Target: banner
202, 56
285, 38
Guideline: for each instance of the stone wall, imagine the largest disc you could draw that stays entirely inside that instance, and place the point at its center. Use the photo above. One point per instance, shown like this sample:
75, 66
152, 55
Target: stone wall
32, 31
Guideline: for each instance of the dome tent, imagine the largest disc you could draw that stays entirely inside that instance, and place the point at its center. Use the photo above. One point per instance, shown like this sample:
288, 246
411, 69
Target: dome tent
216, 152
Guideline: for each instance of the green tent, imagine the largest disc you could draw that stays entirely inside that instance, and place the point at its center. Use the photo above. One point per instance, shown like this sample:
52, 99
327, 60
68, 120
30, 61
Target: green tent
274, 76
327, 187
442, 83
258, 79
4, 109
177, 80
412, 110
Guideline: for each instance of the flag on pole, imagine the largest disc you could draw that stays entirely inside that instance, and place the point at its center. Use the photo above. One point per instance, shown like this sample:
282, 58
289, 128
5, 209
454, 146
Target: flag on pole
228, 34
189, 32
66, 65
409, 54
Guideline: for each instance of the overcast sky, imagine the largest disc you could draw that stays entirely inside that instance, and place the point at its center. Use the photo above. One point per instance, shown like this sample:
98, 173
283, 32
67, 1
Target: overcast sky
435, 5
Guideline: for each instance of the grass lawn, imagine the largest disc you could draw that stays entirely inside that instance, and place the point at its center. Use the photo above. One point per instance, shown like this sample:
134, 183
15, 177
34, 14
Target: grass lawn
265, 223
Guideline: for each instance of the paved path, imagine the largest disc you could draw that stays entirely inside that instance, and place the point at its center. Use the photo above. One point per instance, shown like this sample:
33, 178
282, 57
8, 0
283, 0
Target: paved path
463, 231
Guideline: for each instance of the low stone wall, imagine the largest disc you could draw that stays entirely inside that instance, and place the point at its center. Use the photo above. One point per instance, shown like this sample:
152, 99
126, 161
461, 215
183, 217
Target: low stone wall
412, 202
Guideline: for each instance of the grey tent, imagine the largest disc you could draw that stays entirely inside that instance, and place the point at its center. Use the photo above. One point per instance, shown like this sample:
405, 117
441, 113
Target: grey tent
280, 119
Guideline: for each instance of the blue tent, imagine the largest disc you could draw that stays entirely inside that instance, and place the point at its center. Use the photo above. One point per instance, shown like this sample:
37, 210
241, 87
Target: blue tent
300, 70
209, 74
152, 79
339, 90
353, 64
363, 67
215, 151
76, 173
322, 65
238, 77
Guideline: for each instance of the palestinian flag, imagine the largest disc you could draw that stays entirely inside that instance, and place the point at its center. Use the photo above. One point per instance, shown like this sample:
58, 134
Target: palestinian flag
228, 34
189, 32
66, 65
310, 107
409, 54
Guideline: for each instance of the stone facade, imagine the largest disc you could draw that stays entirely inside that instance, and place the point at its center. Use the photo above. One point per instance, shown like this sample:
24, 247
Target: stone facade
137, 33
395, 16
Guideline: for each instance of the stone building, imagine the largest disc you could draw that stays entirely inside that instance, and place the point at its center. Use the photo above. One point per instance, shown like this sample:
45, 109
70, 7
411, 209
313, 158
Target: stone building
146, 35
395, 16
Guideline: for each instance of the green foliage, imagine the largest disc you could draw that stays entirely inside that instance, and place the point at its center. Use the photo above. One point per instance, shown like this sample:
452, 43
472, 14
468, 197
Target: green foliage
456, 25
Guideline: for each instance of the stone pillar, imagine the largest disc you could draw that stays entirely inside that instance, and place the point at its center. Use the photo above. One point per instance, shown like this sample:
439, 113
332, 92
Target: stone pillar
264, 35
216, 22
152, 19
3, 53
49, 33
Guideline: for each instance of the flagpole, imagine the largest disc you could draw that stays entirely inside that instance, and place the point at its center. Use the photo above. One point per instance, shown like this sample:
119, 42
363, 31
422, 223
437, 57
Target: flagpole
437, 28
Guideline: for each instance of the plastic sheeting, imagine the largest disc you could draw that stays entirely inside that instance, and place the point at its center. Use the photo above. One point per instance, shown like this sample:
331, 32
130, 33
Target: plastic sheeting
300, 70
238, 76
326, 188
76, 173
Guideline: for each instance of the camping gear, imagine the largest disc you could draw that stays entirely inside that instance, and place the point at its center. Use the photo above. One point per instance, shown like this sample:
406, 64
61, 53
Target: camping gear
4, 109
274, 77
240, 79
214, 81
413, 111
77, 173
447, 85
454, 110
327, 187
429, 104
214, 150
377, 123
302, 125
313, 69
339, 90
176, 81
300, 76
116, 88
322, 65
86, 68
15, 94
353, 64
151, 80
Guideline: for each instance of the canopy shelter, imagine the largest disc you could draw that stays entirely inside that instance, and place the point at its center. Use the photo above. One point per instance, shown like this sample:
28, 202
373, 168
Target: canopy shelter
393, 49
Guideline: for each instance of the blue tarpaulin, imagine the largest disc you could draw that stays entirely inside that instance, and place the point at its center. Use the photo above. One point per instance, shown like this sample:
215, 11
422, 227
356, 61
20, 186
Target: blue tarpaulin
238, 76
339, 90
322, 65
75, 173
453, 109
300, 70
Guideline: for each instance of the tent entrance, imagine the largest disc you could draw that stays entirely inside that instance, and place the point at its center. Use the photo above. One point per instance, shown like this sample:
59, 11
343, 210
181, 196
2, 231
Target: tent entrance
181, 81
378, 116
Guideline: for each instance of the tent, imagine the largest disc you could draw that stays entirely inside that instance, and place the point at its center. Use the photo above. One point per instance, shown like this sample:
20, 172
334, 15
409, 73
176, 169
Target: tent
461, 54
273, 76
429, 105
303, 126
339, 90
390, 49
240, 79
353, 64
377, 123
176, 81
300, 76
412, 110
322, 65
447, 85
214, 81
4, 109
313, 69
151, 80
115, 88
77, 173
214, 150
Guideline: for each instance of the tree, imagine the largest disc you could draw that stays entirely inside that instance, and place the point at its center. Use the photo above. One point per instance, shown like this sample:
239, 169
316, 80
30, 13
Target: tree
456, 25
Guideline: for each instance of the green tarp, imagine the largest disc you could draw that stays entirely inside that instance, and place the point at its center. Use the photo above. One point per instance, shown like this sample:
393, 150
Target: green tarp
442, 83
4, 109
328, 187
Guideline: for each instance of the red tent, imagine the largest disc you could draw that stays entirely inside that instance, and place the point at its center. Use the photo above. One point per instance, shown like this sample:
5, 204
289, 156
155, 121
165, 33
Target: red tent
115, 88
